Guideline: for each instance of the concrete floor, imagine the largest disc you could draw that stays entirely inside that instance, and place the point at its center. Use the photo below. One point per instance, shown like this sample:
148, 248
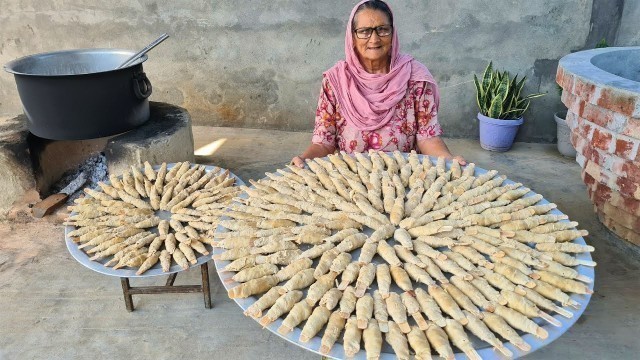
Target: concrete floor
51, 307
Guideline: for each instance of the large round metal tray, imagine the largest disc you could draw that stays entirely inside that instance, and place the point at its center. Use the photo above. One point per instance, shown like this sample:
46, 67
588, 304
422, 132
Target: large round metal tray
483, 349
156, 270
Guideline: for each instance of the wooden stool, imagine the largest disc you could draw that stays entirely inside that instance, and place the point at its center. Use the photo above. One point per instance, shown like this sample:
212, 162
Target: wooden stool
129, 291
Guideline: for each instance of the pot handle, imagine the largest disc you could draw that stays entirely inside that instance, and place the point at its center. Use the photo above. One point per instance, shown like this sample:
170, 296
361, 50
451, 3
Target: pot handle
141, 85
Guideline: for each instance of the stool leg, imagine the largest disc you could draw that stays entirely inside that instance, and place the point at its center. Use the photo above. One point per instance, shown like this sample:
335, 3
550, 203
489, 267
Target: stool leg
205, 285
128, 299
171, 279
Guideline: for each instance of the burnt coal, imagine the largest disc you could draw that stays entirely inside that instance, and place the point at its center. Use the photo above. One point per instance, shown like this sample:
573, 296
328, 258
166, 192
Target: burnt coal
95, 170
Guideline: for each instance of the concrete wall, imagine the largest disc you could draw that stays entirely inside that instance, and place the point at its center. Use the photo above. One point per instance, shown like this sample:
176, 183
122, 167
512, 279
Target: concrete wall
258, 64
629, 33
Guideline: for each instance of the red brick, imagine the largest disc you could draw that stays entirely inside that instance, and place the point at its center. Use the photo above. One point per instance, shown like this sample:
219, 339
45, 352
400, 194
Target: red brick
628, 188
567, 82
597, 115
593, 155
601, 139
626, 148
631, 170
613, 100
601, 194
589, 181
583, 89
580, 142
632, 206
621, 231
632, 128
622, 217
573, 103
586, 130
559, 74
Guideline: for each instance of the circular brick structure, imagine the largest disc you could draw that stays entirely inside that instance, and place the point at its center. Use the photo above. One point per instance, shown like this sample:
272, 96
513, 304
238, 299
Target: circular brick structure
601, 89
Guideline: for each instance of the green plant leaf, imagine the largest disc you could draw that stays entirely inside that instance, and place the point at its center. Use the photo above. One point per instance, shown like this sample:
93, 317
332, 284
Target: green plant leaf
533, 96
487, 76
496, 107
479, 92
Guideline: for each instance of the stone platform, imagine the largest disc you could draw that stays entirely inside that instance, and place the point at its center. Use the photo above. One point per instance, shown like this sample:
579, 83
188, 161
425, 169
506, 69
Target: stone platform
28, 162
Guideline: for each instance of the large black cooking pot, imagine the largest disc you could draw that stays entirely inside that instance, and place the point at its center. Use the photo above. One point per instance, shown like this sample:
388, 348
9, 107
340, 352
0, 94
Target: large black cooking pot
79, 94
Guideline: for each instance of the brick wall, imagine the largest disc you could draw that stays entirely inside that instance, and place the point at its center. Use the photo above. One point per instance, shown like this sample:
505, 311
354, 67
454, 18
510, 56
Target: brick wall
605, 130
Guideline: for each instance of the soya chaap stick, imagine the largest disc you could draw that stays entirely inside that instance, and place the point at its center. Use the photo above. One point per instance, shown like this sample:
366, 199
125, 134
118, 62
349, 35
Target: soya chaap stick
401, 278
566, 272
440, 341
419, 343
565, 247
364, 311
543, 302
380, 312
514, 275
252, 287
349, 275
520, 322
299, 313
472, 293
388, 253
366, 276
264, 302
564, 284
432, 269
480, 329
497, 324
472, 255
508, 260
459, 338
283, 305
464, 262
488, 291
325, 263
413, 309
430, 307
446, 303
551, 292
461, 299
526, 307
331, 298
398, 341
372, 338
418, 274
348, 302
568, 260
315, 323
254, 272
334, 328
397, 311
352, 337
294, 268
320, 287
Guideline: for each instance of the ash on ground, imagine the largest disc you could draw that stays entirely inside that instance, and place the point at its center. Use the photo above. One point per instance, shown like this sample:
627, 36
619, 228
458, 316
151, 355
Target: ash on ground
95, 171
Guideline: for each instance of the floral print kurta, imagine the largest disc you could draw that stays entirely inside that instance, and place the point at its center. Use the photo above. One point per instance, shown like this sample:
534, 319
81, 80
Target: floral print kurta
415, 119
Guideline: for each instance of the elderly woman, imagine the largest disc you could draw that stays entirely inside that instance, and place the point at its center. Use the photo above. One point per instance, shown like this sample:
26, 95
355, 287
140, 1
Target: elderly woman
377, 98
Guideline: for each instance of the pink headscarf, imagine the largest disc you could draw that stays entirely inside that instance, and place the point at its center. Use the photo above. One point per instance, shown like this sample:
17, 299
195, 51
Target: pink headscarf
368, 100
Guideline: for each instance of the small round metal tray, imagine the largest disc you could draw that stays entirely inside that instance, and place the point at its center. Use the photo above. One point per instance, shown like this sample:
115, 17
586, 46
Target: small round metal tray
126, 272
483, 349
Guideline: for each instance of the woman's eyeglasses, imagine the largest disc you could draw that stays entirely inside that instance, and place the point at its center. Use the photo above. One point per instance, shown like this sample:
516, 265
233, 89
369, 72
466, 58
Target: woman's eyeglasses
365, 33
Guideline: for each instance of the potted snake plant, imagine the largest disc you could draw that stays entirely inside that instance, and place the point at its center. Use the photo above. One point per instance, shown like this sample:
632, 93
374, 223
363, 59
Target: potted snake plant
501, 104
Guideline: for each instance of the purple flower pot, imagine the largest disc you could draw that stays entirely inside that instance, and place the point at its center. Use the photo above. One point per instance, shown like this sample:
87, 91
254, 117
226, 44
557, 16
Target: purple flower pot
497, 134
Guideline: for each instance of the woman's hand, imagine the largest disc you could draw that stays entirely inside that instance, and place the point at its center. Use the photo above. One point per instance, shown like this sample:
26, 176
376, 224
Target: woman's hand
313, 151
435, 146
460, 159
297, 161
